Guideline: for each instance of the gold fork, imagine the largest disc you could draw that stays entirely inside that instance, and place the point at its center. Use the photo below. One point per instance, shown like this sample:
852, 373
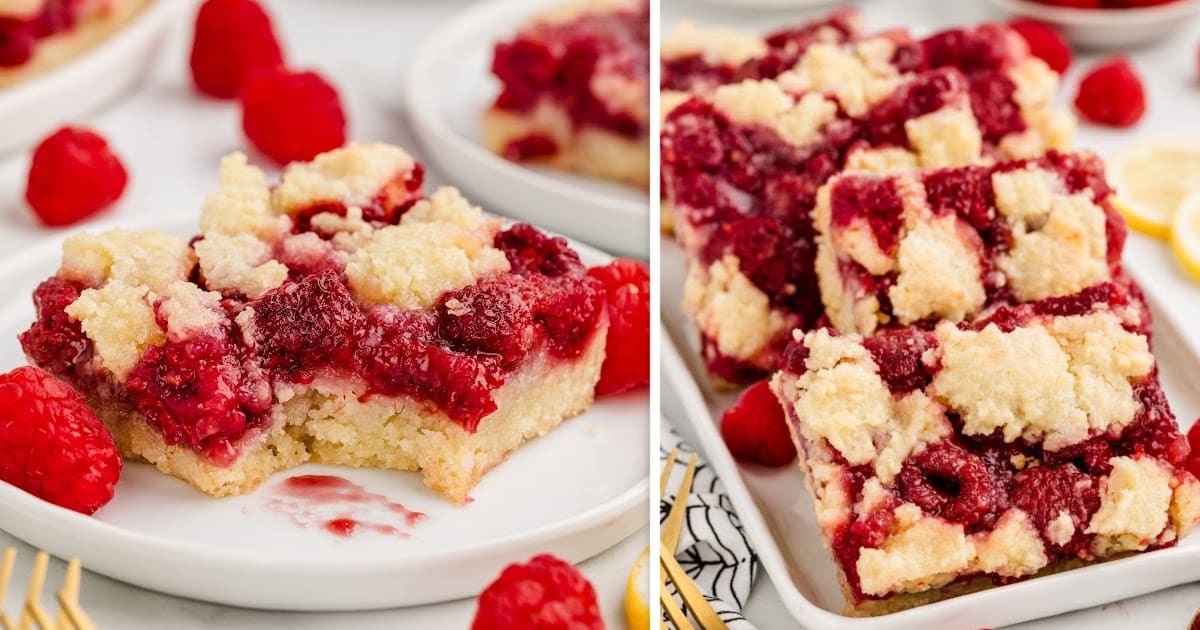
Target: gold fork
692, 598
70, 614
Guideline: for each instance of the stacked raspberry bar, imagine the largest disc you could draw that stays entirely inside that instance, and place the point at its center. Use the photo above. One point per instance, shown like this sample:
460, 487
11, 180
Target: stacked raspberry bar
575, 91
742, 164
949, 460
340, 316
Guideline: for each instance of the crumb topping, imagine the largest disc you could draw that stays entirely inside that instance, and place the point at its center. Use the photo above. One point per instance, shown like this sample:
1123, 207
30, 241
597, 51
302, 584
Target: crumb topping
120, 321
946, 137
922, 553
240, 263
145, 258
1011, 549
242, 204
854, 75
1134, 505
716, 46
188, 310
939, 272
730, 309
765, 103
352, 176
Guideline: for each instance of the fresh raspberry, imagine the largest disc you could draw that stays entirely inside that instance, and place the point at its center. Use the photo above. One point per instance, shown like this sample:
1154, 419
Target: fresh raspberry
292, 116
52, 445
233, 37
1193, 437
74, 174
1044, 42
627, 351
1111, 93
755, 429
545, 594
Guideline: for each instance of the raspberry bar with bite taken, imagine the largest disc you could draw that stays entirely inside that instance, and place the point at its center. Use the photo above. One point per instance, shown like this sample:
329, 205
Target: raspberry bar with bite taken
924, 246
338, 317
37, 35
575, 91
947, 461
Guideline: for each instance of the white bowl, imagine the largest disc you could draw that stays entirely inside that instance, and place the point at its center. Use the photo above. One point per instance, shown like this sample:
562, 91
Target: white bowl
1107, 29
36, 107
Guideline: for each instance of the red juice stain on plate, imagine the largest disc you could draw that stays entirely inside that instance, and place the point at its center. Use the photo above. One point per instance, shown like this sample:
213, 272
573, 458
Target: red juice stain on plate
340, 506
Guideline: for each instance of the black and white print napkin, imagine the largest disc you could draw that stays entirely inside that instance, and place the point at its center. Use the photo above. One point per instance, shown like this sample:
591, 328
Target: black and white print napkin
713, 547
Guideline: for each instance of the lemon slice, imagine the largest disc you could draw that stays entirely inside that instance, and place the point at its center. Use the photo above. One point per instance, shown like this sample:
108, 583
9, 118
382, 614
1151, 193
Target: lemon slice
1151, 181
637, 594
1185, 234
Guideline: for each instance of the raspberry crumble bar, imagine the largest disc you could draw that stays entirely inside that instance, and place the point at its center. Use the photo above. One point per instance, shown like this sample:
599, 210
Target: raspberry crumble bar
37, 35
575, 91
340, 316
923, 246
946, 461
742, 165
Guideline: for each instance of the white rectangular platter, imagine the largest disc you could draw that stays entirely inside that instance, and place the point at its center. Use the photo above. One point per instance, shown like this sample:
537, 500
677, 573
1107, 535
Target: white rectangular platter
777, 512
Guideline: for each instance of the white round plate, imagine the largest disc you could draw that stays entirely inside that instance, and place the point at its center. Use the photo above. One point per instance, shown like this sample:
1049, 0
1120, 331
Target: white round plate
448, 88
1107, 29
32, 109
574, 493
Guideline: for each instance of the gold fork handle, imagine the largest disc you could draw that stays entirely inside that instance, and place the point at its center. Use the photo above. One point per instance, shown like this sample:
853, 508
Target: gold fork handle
691, 595
674, 613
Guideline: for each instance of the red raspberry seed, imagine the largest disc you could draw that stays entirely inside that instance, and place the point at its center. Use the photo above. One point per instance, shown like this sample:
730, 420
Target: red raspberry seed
544, 594
292, 116
1044, 42
1111, 93
755, 430
52, 445
73, 175
233, 38
627, 351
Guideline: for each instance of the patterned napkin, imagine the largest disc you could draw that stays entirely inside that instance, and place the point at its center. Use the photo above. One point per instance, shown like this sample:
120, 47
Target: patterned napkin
713, 548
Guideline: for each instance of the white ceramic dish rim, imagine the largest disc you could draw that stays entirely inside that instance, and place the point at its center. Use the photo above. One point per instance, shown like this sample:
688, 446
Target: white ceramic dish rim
611, 510
1101, 17
423, 95
50, 82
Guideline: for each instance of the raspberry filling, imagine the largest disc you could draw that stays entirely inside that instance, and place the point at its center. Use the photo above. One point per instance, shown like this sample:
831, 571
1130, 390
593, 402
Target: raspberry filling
384, 208
210, 390
18, 36
568, 63
972, 479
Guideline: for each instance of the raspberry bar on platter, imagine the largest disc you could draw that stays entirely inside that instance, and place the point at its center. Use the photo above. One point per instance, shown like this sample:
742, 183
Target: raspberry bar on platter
922, 246
947, 461
339, 317
575, 91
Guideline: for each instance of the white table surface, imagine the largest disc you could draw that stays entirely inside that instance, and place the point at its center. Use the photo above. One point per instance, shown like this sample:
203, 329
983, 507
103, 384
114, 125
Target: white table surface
1169, 68
170, 141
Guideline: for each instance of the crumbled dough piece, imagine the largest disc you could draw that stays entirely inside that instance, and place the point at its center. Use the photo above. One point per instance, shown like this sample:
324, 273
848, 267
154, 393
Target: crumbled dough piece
119, 319
1011, 549
765, 103
352, 175
242, 205
730, 309
921, 553
239, 263
147, 258
1134, 503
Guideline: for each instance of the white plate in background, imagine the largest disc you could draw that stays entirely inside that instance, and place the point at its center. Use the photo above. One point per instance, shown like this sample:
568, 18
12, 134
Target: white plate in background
34, 108
777, 511
575, 492
449, 86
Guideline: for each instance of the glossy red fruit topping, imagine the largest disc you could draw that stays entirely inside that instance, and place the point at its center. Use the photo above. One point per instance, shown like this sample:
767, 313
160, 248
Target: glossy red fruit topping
1193, 437
292, 115
949, 481
494, 316
543, 594
627, 351
532, 251
755, 429
52, 445
1045, 42
1111, 93
304, 325
898, 355
17, 40
232, 39
1045, 492
74, 174
200, 394
55, 341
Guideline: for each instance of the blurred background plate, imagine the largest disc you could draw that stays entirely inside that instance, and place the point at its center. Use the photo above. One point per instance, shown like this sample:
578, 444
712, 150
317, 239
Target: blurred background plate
31, 109
448, 88
1107, 29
